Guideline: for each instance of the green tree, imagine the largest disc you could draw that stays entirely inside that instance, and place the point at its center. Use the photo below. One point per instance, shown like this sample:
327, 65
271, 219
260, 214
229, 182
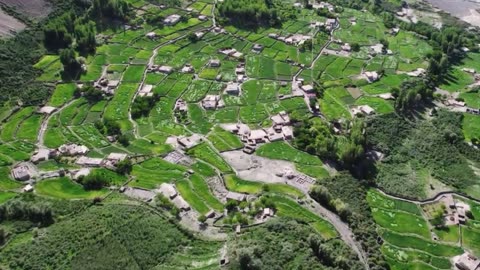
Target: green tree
125, 166
202, 219
123, 140
67, 58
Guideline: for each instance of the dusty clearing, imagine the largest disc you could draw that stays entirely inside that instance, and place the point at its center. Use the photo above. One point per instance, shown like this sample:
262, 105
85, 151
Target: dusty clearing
9, 25
256, 168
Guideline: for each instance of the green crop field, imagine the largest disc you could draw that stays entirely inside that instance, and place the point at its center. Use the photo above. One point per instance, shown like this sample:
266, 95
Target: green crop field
64, 188
289, 208
154, 172
224, 140
62, 94
205, 153
283, 151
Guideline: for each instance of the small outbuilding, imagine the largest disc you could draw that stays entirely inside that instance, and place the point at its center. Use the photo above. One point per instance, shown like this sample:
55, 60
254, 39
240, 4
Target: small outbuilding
47, 110
232, 89
214, 63
236, 196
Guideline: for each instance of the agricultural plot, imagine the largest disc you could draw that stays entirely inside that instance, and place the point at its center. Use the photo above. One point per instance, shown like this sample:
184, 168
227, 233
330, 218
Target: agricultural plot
64, 188
378, 104
283, 151
288, 208
29, 127
117, 108
223, 140
205, 153
202, 190
153, 172
407, 237
18, 150
62, 94
333, 104
9, 129
233, 183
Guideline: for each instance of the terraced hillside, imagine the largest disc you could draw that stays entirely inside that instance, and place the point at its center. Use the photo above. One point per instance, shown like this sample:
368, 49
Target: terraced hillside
180, 138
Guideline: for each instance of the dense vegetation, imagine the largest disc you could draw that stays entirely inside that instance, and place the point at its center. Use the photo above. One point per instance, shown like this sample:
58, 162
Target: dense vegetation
412, 145
317, 137
346, 196
254, 13
107, 237
287, 244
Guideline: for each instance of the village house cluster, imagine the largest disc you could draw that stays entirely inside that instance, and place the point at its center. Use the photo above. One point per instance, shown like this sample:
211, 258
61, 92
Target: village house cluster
456, 211
361, 110
106, 86
160, 68
27, 170
296, 39
466, 261
232, 52
281, 129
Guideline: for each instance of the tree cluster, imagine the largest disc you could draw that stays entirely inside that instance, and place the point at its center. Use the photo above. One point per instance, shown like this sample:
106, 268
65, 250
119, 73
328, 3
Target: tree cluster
253, 13
288, 244
108, 127
316, 137
164, 203
322, 195
92, 94
142, 106
20, 210
410, 145
114, 9
94, 181
411, 94
124, 167
352, 193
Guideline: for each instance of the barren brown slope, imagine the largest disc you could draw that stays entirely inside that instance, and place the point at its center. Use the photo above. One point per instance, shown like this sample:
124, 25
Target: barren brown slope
35, 9
9, 25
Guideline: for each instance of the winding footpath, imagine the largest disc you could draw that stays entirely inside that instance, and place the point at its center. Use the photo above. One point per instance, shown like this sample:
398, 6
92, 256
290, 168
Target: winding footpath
342, 228
44, 125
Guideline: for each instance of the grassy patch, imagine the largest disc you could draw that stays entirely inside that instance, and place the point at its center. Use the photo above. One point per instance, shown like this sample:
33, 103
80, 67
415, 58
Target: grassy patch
153, 172
224, 140
5, 196
283, 151
204, 152
62, 94
64, 188
289, 208
236, 184
471, 126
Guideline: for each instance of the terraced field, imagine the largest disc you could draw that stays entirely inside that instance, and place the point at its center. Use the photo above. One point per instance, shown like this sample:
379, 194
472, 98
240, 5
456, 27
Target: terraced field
406, 232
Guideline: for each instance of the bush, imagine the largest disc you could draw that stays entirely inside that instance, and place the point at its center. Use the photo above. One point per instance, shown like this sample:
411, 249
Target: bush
124, 166
94, 181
